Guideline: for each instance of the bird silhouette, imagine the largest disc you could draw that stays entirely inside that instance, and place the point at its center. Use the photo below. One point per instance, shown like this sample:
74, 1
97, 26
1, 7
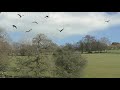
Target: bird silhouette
29, 30
107, 21
35, 22
14, 26
46, 16
61, 30
20, 15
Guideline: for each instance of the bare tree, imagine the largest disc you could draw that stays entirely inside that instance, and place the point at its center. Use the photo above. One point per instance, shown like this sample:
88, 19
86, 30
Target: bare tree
80, 46
104, 43
88, 40
37, 64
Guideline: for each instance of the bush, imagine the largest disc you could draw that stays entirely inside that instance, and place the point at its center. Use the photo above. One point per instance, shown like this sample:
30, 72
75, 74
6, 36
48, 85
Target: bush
36, 67
4, 49
3, 62
68, 64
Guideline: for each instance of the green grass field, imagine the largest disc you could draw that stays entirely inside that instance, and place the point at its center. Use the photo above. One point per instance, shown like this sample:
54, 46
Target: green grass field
102, 66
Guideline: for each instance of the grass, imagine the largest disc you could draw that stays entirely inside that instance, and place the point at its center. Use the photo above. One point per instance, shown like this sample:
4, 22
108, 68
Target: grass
114, 51
102, 66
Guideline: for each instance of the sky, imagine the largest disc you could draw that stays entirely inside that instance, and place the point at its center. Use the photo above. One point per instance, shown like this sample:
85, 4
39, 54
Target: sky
76, 25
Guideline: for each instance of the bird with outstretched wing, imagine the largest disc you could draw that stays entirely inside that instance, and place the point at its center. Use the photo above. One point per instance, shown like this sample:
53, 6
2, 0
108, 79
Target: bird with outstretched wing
29, 30
20, 15
61, 30
107, 21
14, 26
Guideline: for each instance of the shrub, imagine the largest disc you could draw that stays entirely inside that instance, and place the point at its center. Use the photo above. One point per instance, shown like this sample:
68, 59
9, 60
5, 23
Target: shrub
68, 64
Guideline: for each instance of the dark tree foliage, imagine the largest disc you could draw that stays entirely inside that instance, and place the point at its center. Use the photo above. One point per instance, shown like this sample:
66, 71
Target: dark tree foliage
68, 64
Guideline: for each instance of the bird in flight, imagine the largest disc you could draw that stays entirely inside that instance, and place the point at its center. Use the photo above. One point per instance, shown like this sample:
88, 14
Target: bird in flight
61, 30
14, 26
35, 22
46, 16
107, 21
20, 15
29, 30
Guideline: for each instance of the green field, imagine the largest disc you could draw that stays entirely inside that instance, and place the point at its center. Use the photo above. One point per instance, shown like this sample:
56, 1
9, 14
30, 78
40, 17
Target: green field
102, 66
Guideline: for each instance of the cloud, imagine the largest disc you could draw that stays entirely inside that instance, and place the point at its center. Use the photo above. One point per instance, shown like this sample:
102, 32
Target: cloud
75, 23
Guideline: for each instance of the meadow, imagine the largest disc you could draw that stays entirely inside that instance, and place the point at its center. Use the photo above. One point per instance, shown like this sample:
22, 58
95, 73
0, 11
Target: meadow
104, 65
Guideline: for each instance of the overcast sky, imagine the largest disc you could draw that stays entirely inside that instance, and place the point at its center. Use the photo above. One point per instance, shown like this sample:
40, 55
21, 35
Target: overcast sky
76, 25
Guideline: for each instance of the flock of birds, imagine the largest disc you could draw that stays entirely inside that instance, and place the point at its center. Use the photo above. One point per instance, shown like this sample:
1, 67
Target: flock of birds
14, 26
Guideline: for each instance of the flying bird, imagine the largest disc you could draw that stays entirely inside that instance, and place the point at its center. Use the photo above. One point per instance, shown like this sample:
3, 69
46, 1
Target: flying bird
35, 22
107, 21
29, 30
14, 26
46, 16
20, 15
61, 30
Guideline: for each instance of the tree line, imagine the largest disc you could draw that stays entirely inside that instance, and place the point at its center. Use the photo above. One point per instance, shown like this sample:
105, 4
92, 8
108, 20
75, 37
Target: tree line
90, 44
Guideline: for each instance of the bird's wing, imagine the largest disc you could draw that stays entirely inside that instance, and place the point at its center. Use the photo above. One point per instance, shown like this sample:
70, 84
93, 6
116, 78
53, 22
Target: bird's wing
36, 22
18, 14
27, 31
14, 26
62, 29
